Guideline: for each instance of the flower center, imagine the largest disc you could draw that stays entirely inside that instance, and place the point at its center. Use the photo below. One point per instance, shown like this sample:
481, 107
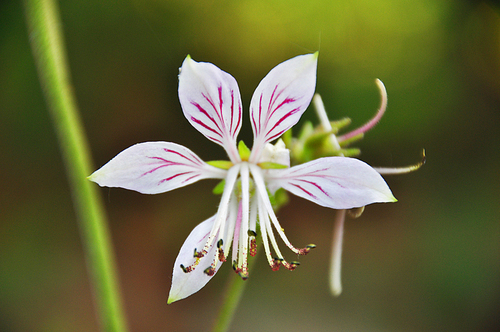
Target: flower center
244, 210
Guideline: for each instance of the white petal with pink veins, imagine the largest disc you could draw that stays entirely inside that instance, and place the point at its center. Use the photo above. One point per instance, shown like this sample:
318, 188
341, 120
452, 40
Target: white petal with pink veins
210, 99
185, 284
280, 99
154, 167
335, 182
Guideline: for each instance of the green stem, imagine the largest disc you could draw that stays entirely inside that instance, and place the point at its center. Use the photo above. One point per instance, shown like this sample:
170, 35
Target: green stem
45, 35
233, 294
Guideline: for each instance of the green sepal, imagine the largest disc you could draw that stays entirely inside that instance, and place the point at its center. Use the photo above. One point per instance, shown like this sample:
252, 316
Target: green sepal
219, 188
224, 164
353, 139
339, 124
271, 165
352, 152
318, 138
244, 151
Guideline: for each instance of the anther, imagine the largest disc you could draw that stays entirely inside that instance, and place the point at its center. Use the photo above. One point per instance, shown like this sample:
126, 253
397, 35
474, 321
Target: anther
305, 251
243, 275
290, 266
222, 258
186, 269
253, 247
198, 254
209, 271
276, 263
220, 243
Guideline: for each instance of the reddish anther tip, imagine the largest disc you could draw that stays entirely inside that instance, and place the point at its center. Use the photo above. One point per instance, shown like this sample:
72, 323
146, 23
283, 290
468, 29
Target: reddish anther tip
290, 266
198, 254
305, 251
222, 258
276, 264
209, 271
253, 247
186, 269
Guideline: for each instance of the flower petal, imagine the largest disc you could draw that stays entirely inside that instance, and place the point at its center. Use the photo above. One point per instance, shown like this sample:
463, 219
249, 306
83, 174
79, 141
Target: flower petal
185, 284
210, 99
154, 167
281, 98
335, 182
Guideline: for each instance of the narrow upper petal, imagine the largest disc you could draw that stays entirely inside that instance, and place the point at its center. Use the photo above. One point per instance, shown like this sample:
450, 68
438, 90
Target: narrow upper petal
335, 182
154, 167
185, 284
280, 99
210, 99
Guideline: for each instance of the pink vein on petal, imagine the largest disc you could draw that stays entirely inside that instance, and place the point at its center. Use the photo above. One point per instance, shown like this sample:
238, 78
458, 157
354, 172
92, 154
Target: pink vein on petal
173, 177
217, 111
194, 160
307, 192
270, 138
316, 185
204, 112
176, 175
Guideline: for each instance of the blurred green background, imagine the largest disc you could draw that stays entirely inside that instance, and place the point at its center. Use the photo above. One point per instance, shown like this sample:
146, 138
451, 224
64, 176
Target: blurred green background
430, 262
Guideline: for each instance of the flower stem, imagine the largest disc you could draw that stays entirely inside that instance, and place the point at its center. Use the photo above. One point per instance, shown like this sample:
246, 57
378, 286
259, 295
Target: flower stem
233, 294
46, 40
336, 263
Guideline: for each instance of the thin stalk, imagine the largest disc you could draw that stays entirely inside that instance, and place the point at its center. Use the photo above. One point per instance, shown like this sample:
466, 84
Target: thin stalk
336, 263
45, 34
233, 293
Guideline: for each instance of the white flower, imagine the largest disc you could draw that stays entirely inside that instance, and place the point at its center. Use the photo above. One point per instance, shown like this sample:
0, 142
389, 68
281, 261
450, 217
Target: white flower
211, 102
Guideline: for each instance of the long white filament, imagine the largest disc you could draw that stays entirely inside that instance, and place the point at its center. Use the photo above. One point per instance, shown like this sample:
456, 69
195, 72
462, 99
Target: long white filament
222, 212
261, 189
245, 208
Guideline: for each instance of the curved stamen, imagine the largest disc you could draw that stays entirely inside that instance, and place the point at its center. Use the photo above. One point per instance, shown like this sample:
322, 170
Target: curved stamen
261, 188
323, 119
236, 236
370, 124
222, 212
252, 234
232, 220
267, 234
401, 170
245, 208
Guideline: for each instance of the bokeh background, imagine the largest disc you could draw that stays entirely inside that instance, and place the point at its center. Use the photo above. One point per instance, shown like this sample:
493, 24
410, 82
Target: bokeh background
430, 262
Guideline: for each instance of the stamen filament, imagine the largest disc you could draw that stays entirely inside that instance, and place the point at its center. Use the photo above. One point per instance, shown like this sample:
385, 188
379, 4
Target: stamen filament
401, 170
245, 204
222, 212
263, 230
237, 227
232, 219
370, 124
261, 188
323, 119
